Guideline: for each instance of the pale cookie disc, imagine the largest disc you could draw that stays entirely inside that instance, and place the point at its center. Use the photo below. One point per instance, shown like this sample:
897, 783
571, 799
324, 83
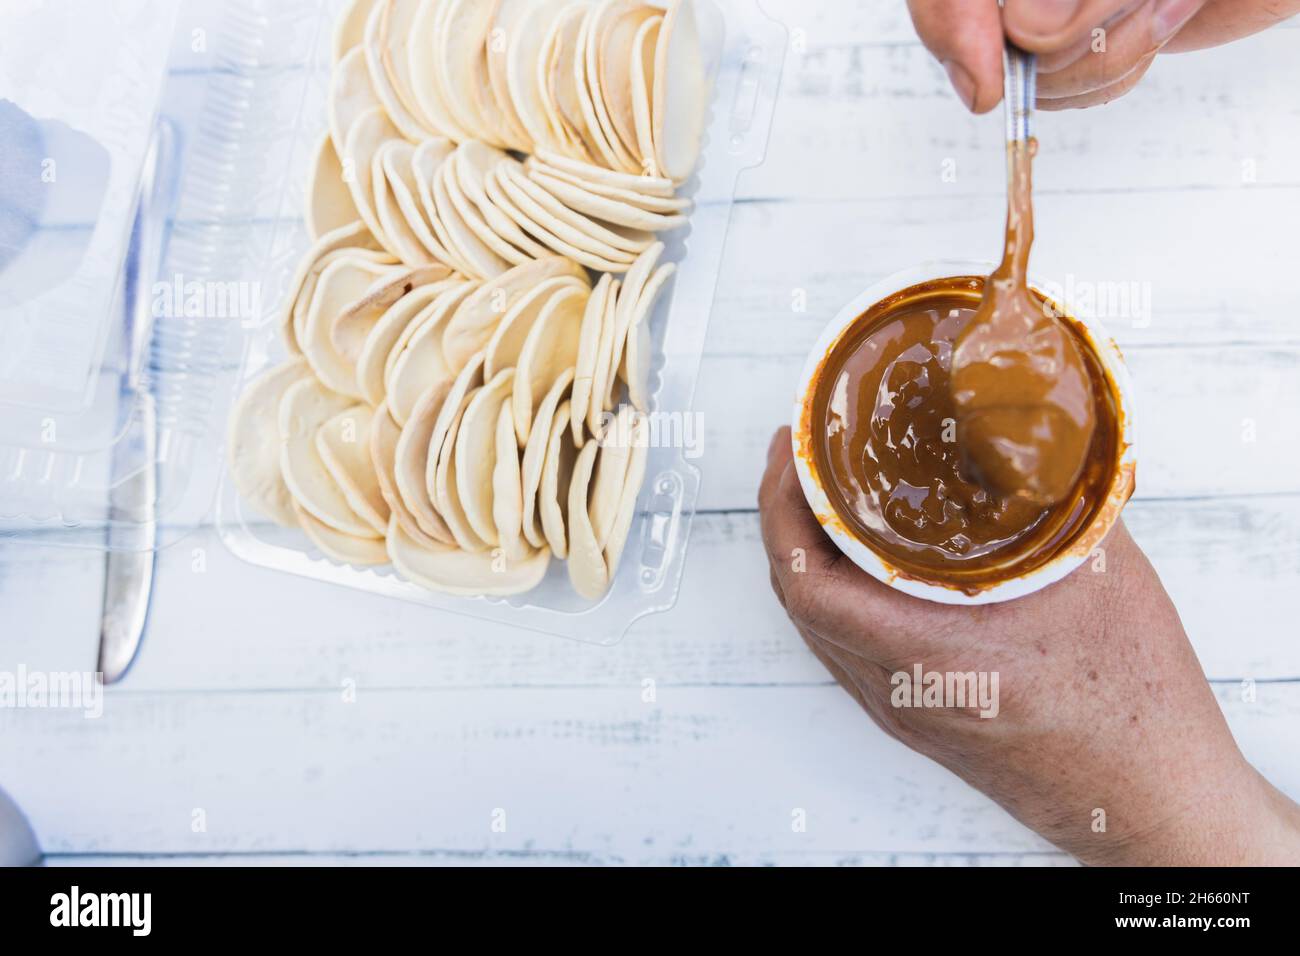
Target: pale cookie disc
253, 441
630, 295
350, 97
539, 437
401, 231
646, 201
593, 321
483, 262
302, 305
306, 406
366, 137
642, 86
387, 332
627, 503
309, 270
598, 402
380, 81
329, 201
474, 160
595, 119
506, 16
464, 573
411, 461
604, 239
447, 499
400, 160
420, 362
507, 205
523, 56
469, 25
635, 366
613, 56
396, 33
610, 473
587, 571
425, 165
472, 217
571, 226
587, 71
424, 72
681, 92
352, 326
384, 434
343, 283
341, 547
550, 349
476, 454
343, 444
469, 379
650, 185
471, 328
507, 489
556, 82
350, 28
553, 490
458, 45
408, 375
508, 340
602, 207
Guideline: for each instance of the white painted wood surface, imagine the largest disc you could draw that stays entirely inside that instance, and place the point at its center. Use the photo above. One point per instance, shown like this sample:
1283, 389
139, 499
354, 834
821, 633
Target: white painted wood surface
236, 705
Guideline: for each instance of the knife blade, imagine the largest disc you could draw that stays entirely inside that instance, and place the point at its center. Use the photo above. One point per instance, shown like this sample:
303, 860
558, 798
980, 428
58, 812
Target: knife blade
132, 530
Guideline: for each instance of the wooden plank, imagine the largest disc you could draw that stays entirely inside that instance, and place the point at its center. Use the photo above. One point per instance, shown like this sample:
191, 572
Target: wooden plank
50, 600
1232, 567
865, 117
531, 858
1194, 270
698, 775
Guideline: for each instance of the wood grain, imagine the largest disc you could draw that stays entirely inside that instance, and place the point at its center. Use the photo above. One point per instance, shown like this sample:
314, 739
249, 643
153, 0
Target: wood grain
1187, 188
696, 776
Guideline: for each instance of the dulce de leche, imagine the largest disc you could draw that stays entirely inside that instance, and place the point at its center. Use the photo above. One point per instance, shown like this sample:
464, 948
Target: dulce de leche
882, 436
1024, 401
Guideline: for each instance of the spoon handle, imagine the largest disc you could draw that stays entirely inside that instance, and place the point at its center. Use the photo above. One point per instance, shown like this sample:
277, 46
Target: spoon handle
1018, 91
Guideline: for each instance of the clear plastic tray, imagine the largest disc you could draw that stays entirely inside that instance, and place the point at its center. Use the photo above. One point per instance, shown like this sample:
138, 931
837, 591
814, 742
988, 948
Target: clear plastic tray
73, 248
115, 388
744, 50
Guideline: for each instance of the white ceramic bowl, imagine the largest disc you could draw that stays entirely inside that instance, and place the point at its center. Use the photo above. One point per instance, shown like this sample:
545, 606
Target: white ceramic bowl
877, 565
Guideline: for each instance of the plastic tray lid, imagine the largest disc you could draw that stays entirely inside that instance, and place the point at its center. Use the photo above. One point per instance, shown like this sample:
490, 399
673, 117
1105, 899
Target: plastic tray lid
79, 91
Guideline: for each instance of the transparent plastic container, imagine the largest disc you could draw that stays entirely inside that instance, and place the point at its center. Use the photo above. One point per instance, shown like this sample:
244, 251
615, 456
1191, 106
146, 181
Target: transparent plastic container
154, 397
76, 242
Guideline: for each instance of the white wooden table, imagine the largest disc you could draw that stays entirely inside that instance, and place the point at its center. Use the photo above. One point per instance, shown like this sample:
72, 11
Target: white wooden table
1189, 187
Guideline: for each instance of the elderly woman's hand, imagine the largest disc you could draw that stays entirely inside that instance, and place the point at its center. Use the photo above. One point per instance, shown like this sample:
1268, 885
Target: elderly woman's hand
1090, 51
1101, 732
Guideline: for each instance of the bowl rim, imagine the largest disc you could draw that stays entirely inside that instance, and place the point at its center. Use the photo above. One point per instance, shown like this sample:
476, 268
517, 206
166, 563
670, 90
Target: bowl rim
866, 558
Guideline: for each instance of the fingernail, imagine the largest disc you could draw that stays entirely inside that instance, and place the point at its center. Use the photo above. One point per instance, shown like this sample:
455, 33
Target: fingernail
772, 445
1169, 16
962, 82
1044, 17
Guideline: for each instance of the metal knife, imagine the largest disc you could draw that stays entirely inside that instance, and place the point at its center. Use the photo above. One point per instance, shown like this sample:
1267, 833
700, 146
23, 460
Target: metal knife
132, 531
